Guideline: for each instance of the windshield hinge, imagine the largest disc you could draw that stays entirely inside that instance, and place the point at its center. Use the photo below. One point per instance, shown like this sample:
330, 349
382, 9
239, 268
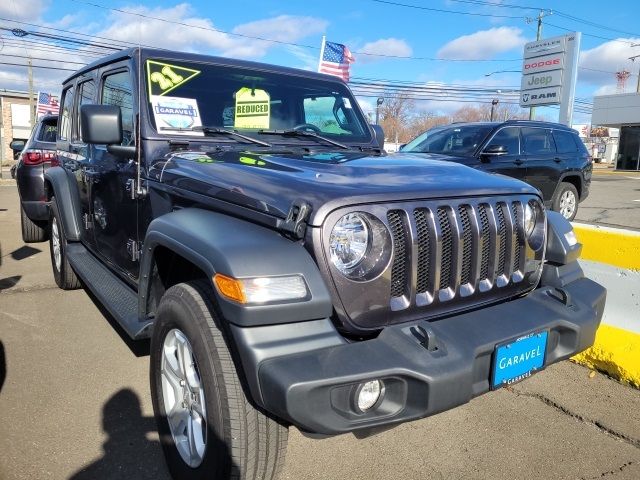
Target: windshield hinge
135, 190
296, 221
134, 250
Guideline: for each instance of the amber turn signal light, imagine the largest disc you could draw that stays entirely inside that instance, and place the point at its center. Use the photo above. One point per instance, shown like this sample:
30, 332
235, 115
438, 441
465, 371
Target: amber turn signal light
230, 288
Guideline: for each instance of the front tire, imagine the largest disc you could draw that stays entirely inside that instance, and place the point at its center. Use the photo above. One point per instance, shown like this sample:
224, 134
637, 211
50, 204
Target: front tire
207, 427
63, 274
32, 232
565, 200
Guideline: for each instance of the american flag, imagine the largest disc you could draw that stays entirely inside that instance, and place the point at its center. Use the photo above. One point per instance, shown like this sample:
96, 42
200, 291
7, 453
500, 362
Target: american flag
335, 60
47, 103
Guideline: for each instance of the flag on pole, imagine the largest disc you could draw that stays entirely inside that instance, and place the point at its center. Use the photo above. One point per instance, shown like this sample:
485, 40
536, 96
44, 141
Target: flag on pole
335, 59
47, 104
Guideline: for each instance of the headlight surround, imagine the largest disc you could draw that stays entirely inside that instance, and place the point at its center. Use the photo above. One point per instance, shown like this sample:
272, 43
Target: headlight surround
359, 246
535, 224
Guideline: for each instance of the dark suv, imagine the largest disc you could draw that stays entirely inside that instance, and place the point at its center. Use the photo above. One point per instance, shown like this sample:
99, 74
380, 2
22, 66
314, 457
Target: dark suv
35, 158
549, 156
288, 272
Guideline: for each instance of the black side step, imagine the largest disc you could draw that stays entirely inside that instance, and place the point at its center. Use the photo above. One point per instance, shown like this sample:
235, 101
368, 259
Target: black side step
117, 297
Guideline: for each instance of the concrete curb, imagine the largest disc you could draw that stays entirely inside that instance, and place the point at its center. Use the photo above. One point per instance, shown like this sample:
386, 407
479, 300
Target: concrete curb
611, 256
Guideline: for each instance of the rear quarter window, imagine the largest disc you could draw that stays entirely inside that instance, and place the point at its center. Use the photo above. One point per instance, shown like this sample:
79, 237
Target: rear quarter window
565, 142
48, 132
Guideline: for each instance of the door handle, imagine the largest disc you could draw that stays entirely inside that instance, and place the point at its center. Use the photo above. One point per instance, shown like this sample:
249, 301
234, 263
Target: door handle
517, 161
557, 159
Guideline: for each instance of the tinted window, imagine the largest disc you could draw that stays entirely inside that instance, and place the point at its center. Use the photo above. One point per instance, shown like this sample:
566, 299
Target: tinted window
65, 114
48, 131
87, 95
453, 140
564, 142
116, 90
538, 141
508, 137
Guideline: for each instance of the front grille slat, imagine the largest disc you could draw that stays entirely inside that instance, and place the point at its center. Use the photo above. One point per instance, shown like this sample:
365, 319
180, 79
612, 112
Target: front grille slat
447, 249
400, 267
467, 245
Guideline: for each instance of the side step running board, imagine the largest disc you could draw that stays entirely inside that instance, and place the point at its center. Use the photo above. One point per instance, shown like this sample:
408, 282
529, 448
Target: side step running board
117, 297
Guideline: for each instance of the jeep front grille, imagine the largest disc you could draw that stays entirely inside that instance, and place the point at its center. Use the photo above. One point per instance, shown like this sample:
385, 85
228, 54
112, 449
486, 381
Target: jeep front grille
447, 255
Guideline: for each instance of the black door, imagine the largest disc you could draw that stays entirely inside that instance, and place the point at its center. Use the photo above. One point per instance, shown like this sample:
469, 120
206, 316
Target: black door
511, 163
544, 166
115, 213
629, 151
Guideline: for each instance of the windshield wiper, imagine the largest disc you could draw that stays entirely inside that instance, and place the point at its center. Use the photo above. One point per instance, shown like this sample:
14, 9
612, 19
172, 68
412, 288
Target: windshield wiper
217, 130
302, 133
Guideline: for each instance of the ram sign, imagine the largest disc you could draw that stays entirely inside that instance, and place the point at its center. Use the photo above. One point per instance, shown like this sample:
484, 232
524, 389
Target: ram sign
549, 70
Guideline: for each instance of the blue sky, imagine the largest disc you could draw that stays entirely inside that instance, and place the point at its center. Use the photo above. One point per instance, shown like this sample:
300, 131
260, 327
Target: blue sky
364, 25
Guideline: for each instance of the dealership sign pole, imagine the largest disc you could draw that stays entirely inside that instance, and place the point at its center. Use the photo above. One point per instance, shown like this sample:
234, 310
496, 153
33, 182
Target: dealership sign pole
549, 74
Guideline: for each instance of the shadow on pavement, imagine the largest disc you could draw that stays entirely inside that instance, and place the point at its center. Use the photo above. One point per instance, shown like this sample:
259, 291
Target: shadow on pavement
3, 366
24, 252
127, 453
9, 282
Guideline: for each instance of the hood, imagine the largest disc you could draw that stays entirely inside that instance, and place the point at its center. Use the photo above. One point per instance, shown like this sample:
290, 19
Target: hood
270, 182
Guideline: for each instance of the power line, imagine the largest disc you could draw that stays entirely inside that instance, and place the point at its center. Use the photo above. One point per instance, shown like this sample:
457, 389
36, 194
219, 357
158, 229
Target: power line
442, 10
39, 58
38, 66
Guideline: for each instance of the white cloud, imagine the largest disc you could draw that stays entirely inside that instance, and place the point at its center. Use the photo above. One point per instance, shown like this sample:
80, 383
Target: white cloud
23, 9
599, 64
484, 44
394, 47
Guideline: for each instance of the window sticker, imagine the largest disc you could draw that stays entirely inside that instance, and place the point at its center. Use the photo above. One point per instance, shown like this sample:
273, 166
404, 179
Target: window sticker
176, 112
252, 108
164, 77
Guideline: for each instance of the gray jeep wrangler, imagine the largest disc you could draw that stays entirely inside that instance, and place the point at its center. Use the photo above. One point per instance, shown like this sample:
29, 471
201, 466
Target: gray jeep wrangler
246, 218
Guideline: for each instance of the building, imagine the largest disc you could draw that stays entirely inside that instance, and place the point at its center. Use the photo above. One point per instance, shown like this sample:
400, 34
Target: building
621, 111
15, 121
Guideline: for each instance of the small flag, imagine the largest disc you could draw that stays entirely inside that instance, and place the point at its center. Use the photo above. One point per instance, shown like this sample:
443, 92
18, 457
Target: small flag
47, 104
335, 59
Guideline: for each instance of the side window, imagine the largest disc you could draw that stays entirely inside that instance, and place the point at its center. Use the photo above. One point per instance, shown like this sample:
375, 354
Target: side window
538, 141
117, 90
564, 142
65, 114
86, 95
48, 131
510, 138
319, 111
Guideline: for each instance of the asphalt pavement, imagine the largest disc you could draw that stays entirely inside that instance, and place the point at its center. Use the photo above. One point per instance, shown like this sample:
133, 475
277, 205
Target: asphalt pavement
75, 404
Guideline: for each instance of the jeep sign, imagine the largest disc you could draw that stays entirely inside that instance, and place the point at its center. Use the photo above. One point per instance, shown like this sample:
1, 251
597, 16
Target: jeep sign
541, 80
543, 96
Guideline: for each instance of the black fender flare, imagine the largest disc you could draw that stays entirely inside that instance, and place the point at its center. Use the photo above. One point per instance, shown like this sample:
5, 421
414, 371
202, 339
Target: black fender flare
218, 243
64, 188
572, 173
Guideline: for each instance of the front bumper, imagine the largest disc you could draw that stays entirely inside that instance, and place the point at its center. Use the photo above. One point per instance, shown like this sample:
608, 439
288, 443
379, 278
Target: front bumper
310, 379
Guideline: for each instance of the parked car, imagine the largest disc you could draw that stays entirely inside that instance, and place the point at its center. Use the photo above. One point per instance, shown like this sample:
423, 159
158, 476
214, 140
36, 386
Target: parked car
549, 156
36, 156
287, 271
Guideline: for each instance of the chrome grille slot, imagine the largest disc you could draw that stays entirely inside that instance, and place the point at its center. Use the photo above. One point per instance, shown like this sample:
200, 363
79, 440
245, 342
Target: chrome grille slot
485, 234
447, 249
502, 238
424, 250
467, 245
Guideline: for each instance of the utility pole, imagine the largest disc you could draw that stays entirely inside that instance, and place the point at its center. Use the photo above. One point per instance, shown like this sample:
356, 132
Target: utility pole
541, 15
633, 59
494, 102
32, 110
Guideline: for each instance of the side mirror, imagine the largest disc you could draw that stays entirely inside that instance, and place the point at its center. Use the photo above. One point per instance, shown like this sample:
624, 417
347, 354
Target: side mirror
102, 125
379, 133
495, 150
401, 147
17, 145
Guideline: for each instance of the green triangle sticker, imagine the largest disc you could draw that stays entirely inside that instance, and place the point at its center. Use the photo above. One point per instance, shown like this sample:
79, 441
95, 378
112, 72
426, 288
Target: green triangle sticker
165, 77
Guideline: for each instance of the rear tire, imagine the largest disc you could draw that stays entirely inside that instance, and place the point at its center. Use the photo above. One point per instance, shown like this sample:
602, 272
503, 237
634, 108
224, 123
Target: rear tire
32, 232
63, 274
240, 442
565, 200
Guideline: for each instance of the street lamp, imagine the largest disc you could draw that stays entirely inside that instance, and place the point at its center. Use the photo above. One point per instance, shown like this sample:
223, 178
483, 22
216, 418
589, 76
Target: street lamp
379, 102
494, 102
502, 71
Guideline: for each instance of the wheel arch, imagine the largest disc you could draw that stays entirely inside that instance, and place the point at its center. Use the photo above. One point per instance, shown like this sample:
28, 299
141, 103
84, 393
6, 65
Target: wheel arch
62, 184
574, 179
194, 243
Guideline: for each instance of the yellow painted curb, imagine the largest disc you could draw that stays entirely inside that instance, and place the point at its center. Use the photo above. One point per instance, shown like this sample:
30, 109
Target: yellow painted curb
608, 245
616, 352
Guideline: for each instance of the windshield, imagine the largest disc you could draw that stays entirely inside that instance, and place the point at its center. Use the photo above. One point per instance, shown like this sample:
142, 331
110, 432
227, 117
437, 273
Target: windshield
451, 140
186, 96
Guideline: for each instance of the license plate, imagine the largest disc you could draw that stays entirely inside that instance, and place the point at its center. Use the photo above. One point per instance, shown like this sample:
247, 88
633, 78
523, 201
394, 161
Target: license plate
519, 359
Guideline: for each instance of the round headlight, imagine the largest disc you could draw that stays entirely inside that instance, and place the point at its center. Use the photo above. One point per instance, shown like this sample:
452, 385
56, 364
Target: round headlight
529, 219
348, 242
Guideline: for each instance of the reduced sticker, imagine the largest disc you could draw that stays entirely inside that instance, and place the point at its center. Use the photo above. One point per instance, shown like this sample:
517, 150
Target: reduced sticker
252, 109
176, 113
164, 77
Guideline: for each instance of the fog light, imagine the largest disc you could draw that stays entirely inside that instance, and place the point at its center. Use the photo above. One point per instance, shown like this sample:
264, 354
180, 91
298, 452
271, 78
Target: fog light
369, 394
